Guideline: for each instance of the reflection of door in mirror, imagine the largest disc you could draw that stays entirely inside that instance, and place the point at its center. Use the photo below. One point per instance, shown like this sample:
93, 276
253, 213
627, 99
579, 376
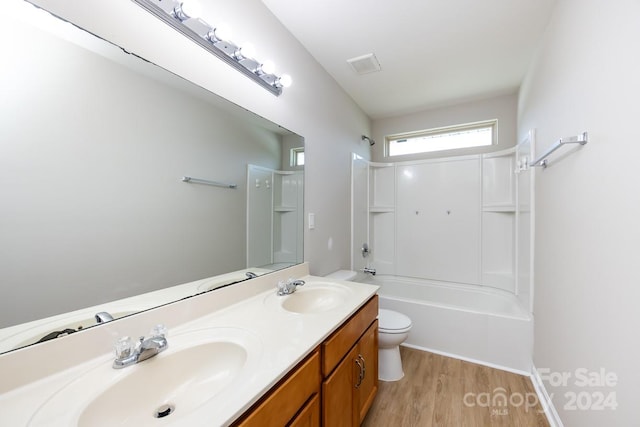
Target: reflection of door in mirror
274, 217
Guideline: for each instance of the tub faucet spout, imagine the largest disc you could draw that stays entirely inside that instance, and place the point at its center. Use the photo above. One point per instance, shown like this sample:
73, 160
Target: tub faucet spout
371, 271
103, 317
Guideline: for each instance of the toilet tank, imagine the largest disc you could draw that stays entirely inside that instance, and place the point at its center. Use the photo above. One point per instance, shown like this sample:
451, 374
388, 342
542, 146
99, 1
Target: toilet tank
348, 275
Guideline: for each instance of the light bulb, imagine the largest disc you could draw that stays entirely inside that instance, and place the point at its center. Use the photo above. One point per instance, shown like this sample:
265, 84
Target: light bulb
285, 80
268, 67
188, 9
248, 50
223, 32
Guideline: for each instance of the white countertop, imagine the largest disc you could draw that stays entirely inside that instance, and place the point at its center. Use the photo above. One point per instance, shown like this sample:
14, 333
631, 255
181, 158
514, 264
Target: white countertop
279, 340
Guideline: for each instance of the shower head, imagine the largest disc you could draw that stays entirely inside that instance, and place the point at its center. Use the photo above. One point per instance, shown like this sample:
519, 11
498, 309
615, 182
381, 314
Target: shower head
366, 138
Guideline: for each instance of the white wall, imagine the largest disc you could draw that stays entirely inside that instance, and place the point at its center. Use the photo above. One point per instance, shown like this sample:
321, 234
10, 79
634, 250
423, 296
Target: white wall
314, 107
585, 78
502, 108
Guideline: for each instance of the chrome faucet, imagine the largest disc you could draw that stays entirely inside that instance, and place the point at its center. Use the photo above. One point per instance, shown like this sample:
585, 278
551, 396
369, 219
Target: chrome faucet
103, 317
128, 354
289, 287
371, 271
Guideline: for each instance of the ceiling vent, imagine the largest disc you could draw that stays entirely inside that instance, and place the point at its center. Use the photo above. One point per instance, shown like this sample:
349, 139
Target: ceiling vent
365, 64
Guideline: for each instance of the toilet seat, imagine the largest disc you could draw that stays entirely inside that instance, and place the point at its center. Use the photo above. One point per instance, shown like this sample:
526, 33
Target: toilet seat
392, 322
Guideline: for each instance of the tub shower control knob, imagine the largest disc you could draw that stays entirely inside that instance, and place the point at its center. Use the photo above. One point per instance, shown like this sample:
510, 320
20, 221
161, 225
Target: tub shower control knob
365, 250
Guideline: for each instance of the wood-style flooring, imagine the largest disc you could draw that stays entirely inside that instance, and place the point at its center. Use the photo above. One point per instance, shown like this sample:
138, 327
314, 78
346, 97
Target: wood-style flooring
439, 391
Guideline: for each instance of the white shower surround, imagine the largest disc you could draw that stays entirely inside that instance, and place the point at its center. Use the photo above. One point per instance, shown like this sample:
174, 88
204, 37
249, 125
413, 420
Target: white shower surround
451, 241
479, 324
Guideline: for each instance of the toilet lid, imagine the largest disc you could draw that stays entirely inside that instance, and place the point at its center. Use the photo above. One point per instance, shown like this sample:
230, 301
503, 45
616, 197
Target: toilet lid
390, 320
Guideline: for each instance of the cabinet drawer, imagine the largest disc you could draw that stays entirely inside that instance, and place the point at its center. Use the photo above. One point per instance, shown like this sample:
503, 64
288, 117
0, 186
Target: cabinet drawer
309, 416
284, 401
338, 344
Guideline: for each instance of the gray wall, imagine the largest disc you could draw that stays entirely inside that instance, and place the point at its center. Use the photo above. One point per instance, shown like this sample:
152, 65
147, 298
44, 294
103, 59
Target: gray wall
585, 78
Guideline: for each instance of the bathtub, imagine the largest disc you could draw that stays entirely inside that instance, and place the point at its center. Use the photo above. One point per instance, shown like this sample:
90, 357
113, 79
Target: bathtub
479, 324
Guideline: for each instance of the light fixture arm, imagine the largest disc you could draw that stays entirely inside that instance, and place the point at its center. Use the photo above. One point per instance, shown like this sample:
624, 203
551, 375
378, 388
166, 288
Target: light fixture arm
152, 6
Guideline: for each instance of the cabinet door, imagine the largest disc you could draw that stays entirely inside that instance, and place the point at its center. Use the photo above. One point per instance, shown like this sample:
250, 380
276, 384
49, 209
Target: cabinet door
338, 406
309, 416
368, 385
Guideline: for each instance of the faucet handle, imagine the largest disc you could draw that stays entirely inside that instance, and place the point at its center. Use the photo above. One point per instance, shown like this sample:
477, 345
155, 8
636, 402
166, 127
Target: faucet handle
124, 347
282, 286
158, 331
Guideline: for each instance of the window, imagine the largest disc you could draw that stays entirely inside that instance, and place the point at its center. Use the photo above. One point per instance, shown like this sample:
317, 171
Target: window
450, 138
297, 156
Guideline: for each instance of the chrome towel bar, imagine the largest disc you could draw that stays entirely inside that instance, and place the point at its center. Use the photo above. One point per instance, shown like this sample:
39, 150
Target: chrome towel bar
579, 139
207, 182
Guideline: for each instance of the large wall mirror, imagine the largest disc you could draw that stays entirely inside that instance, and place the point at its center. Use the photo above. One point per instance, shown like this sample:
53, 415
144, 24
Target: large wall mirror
95, 216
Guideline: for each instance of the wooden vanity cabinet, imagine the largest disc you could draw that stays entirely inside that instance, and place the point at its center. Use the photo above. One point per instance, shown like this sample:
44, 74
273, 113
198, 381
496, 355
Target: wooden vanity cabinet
333, 387
350, 369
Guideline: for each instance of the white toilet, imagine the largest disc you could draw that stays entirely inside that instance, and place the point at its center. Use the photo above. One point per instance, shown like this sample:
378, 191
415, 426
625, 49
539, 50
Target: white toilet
393, 329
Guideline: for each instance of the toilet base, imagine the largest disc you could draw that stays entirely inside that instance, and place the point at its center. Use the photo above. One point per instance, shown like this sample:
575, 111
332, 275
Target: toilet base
390, 364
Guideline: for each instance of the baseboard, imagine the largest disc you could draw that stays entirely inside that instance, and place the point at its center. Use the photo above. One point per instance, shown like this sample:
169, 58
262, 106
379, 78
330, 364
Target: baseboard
545, 400
468, 359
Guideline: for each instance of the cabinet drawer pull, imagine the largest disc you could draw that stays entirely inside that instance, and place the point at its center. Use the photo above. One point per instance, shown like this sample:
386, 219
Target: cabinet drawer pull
361, 374
364, 367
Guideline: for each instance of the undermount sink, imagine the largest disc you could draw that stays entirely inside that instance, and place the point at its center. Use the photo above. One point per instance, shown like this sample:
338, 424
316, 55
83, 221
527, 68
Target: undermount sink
197, 366
313, 297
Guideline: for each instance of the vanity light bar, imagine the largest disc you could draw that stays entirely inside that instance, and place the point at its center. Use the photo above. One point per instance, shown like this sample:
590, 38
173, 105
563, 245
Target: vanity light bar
173, 13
